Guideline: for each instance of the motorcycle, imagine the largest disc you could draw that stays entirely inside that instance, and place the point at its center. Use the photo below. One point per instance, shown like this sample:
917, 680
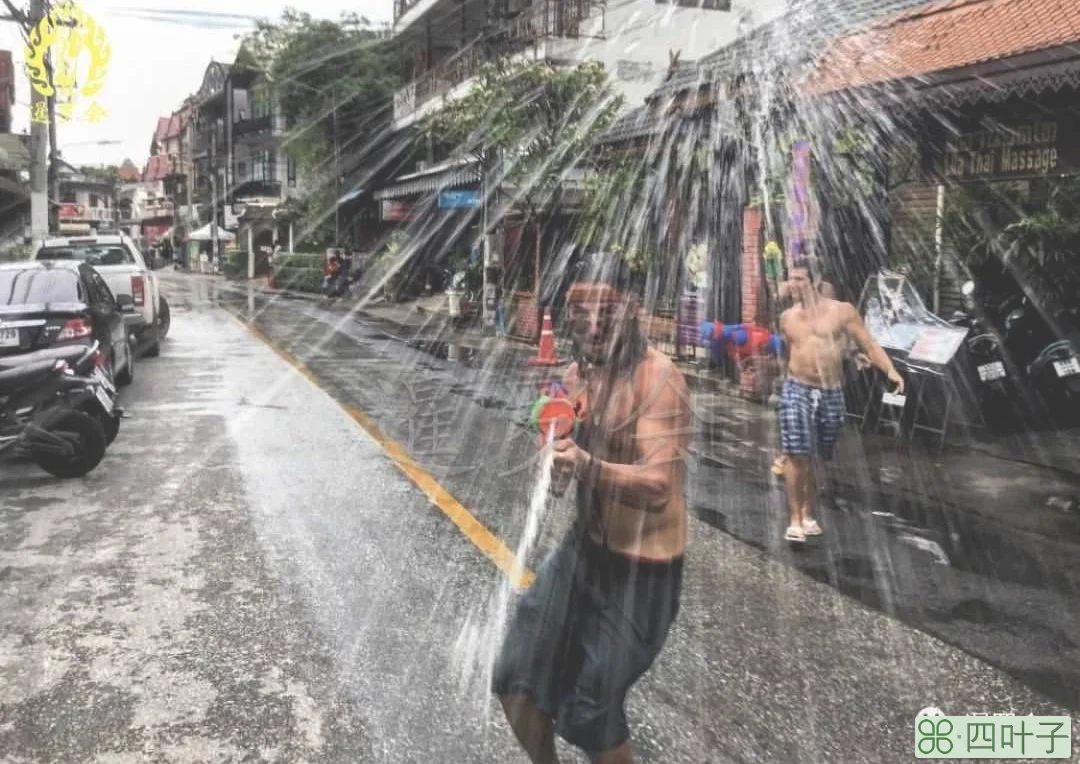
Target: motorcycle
994, 389
95, 395
36, 420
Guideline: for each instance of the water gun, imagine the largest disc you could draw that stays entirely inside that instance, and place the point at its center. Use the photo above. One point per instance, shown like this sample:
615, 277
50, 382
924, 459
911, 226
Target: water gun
554, 414
747, 340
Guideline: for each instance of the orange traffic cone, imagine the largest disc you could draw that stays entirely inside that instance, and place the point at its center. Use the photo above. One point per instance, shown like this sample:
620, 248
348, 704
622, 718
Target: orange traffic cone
545, 355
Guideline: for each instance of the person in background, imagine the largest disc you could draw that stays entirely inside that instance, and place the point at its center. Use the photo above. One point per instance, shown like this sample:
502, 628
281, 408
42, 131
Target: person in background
817, 333
333, 275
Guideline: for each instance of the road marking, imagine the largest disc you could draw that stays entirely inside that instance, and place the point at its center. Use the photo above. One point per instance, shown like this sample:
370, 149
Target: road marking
483, 539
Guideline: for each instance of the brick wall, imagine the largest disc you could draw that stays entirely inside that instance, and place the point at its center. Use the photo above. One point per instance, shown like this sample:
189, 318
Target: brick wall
751, 264
525, 319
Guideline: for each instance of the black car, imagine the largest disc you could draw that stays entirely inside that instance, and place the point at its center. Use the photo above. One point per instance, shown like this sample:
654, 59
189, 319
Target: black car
46, 303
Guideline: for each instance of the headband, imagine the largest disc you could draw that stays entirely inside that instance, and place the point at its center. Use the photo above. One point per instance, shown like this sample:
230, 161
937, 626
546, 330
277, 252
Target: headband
588, 292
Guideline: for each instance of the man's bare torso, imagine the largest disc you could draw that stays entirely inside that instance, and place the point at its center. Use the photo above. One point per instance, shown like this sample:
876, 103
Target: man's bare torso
613, 417
818, 339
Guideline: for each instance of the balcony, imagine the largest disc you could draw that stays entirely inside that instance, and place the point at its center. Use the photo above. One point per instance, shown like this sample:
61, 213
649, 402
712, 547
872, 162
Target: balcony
72, 213
543, 20
159, 210
263, 124
202, 141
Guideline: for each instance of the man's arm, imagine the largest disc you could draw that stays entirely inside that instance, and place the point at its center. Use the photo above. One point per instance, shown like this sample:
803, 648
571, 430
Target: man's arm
662, 436
857, 330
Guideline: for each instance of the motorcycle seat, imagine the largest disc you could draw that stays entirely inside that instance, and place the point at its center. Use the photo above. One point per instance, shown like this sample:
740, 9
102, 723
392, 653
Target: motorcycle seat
25, 375
68, 353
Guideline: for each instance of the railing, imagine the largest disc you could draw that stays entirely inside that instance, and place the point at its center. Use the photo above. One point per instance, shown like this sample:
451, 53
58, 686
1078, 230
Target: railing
549, 18
83, 212
253, 125
159, 210
542, 20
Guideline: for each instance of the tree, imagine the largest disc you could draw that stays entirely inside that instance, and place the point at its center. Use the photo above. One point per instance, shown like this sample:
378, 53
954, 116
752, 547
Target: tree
334, 81
528, 123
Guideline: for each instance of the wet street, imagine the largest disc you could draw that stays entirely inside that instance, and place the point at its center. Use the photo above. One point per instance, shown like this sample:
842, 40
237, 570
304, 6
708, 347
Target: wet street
296, 547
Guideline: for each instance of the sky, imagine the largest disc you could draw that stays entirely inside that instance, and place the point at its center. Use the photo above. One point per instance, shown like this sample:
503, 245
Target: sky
159, 53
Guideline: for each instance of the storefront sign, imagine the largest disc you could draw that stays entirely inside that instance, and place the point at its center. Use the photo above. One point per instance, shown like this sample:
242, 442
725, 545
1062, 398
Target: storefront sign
72, 211
393, 210
458, 199
1029, 148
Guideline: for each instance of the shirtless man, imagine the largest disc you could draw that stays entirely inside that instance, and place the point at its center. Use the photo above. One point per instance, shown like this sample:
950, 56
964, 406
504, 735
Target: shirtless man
816, 332
599, 611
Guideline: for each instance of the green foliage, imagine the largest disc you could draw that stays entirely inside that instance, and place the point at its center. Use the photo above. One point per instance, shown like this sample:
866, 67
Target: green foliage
299, 279
327, 75
301, 260
533, 120
236, 263
610, 199
16, 253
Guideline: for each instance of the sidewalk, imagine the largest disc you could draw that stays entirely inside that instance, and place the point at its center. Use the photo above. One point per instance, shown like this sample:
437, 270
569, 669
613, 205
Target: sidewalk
1021, 480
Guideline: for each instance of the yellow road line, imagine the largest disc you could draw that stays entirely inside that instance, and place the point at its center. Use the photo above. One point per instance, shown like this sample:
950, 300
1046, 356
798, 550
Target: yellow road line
482, 538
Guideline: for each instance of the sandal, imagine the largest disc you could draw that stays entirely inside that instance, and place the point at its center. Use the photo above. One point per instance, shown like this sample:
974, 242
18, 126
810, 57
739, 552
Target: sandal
779, 466
794, 533
811, 528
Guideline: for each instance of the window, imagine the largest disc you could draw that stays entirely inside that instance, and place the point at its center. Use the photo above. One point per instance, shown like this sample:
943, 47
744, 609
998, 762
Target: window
705, 5
241, 170
290, 167
94, 254
262, 166
93, 200
68, 197
260, 103
103, 290
38, 285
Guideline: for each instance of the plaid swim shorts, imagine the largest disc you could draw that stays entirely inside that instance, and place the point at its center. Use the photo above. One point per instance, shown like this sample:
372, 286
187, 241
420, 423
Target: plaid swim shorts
810, 419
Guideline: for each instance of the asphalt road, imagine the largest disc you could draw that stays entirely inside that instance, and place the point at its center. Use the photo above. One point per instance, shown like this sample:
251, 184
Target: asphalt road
250, 576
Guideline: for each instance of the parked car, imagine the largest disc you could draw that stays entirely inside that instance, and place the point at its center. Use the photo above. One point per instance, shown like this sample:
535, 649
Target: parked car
47, 303
126, 272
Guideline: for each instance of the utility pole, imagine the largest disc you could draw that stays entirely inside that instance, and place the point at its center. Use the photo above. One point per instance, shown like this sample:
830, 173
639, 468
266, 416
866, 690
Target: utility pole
337, 172
213, 197
53, 174
39, 197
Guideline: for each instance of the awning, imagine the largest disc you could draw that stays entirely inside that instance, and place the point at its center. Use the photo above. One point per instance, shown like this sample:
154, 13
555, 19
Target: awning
462, 172
350, 196
14, 153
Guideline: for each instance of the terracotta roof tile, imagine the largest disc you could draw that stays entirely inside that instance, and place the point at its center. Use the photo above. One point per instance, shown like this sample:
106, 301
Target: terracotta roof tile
943, 36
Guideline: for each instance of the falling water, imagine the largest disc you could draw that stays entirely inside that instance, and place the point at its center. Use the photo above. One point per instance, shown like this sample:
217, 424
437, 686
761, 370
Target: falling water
480, 638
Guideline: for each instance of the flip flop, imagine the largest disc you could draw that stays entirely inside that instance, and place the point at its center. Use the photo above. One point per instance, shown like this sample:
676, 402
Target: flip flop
778, 467
811, 528
794, 533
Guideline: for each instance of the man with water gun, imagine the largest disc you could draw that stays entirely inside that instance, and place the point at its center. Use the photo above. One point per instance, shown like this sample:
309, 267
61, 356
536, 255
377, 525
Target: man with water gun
603, 601
817, 331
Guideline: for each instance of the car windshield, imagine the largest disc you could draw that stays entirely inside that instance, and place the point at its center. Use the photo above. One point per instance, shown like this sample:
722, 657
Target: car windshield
95, 254
36, 285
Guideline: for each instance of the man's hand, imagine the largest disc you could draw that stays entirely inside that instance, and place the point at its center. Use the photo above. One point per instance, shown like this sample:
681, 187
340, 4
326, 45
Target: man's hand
896, 379
569, 460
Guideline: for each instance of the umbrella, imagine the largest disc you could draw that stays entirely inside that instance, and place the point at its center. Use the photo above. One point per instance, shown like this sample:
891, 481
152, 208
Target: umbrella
203, 234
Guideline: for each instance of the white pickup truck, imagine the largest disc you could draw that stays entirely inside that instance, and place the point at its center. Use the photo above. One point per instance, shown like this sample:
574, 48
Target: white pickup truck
125, 270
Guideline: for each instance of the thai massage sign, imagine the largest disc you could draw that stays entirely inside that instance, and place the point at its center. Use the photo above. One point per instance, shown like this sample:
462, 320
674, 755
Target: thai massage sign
1029, 148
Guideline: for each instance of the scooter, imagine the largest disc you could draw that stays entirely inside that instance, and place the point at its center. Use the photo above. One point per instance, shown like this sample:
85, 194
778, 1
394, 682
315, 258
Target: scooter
95, 394
993, 387
36, 420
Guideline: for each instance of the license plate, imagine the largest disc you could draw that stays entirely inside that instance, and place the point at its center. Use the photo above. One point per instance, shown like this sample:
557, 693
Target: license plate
99, 375
9, 338
893, 399
104, 397
988, 372
1067, 368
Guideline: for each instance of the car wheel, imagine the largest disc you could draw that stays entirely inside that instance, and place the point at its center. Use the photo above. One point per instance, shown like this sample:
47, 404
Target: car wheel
127, 376
164, 318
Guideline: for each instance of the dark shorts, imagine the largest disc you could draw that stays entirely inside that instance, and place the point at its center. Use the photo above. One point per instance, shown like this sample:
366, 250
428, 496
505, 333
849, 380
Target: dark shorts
590, 625
810, 419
